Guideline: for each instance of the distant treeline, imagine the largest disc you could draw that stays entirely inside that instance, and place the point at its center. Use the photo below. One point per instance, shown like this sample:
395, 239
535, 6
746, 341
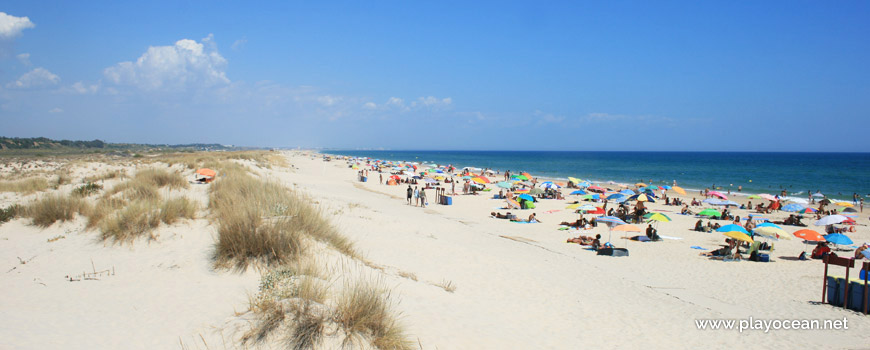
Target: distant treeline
17, 143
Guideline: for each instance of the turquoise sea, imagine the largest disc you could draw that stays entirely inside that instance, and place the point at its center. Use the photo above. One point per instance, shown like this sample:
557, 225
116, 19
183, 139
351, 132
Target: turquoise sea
837, 175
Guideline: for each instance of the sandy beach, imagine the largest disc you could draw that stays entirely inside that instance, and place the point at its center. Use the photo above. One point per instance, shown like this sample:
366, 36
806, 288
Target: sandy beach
461, 279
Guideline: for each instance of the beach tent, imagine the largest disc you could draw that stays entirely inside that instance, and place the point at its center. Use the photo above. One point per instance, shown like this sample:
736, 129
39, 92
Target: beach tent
830, 220
709, 212
717, 194
679, 190
208, 173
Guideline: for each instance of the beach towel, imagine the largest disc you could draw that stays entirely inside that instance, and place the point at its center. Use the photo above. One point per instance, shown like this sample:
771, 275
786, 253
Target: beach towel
552, 211
697, 247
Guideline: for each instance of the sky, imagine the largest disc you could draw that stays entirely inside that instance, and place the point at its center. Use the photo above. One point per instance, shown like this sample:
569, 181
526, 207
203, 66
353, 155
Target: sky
441, 75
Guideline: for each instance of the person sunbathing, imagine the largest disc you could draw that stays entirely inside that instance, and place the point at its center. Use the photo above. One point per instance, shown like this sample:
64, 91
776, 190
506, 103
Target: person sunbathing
578, 223
586, 240
499, 215
721, 252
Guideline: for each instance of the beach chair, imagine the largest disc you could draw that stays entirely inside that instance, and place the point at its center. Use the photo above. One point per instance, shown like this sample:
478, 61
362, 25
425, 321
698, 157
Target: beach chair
838, 261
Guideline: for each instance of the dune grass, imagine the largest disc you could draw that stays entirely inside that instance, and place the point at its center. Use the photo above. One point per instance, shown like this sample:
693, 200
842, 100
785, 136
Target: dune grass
87, 189
55, 207
104, 207
140, 217
265, 222
25, 186
363, 312
10, 212
161, 178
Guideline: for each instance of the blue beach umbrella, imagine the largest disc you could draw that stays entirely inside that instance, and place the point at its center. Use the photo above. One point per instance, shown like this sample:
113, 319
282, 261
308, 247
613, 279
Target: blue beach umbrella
584, 184
768, 224
733, 227
627, 192
839, 239
504, 184
616, 196
580, 192
526, 197
666, 187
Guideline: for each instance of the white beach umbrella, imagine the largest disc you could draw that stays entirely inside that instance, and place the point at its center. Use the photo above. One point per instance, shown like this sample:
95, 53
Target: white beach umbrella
830, 220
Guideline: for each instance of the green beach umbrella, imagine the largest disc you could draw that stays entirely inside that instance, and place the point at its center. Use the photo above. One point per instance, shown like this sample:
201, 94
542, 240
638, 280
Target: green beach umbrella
709, 212
535, 191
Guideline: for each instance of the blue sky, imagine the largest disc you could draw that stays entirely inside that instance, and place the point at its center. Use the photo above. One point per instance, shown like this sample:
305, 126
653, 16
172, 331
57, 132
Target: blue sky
686, 76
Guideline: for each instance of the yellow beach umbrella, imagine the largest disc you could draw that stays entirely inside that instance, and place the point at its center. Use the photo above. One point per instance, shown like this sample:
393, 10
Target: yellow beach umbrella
845, 204
479, 180
740, 236
573, 206
659, 217
771, 231
574, 180
640, 184
679, 190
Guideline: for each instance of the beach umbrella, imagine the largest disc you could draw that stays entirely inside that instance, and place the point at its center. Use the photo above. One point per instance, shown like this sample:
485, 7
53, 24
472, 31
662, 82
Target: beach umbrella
584, 184
809, 235
627, 192
740, 236
591, 196
627, 228
712, 201
611, 220
620, 199
717, 194
769, 231
818, 195
666, 187
521, 177
679, 190
733, 227
769, 224
525, 190
596, 211
839, 239
549, 185
513, 204
845, 204
640, 184
480, 180
616, 196
651, 188
643, 197
536, 191
574, 180
808, 210
573, 206
728, 203
580, 192
753, 196
526, 197
767, 197
792, 207
709, 212
430, 180
504, 184
830, 220
659, 217
206, 172
848, 210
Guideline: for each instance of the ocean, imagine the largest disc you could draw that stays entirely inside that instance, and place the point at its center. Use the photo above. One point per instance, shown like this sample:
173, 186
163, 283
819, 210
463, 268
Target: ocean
836, 175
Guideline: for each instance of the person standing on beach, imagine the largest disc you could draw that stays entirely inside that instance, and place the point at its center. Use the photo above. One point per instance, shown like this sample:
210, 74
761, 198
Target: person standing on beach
423, 197
381, 178
861, 205
410, 193
416, 197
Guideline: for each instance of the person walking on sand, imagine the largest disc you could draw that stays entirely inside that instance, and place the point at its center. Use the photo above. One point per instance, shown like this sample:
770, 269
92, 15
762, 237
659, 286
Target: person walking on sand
381, 178
410, 193
423, 197
416, 197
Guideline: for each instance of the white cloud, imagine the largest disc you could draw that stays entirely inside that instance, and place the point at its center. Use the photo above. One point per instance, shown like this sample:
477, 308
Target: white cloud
542, 117
37, 78
432, 101
239, 44
11, 26
370, 105
328, 100
55, 110
395, 101
81, 88
187, 64
24, 58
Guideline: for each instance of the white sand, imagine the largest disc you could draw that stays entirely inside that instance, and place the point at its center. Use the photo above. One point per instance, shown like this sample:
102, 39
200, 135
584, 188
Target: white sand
518, 286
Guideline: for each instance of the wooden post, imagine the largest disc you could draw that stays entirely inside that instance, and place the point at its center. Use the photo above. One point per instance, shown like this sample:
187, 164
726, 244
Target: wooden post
825, 281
